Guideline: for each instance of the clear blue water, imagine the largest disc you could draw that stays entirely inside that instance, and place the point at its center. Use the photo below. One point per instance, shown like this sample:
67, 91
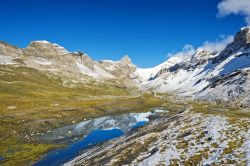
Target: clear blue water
93, 132
60, 156
139, 124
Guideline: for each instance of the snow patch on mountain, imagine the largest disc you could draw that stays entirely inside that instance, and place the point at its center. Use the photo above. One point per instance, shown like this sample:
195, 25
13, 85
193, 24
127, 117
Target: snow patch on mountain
42, 41
234, 63
147, 73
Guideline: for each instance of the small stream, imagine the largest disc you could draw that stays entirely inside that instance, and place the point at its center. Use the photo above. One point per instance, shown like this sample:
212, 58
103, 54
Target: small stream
80, 136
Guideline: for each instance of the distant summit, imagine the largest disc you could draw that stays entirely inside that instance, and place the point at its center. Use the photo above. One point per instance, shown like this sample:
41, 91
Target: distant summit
126, 60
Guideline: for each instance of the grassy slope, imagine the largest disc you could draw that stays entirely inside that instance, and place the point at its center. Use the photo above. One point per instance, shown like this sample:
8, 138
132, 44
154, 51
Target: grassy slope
41, 103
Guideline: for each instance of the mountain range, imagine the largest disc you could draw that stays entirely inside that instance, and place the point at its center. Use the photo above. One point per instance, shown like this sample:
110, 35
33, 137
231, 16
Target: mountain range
201, 74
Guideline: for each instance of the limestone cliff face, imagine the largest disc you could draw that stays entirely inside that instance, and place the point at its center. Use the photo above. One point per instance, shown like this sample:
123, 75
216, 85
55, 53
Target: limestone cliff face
45, 49
123, 69
9, 50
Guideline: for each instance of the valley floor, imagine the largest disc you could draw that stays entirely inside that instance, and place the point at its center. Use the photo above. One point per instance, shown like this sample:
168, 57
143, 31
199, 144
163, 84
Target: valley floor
206, 133
22, 124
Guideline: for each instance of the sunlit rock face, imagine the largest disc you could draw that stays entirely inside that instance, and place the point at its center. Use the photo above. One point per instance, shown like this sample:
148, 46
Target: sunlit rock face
9, 50
45, 49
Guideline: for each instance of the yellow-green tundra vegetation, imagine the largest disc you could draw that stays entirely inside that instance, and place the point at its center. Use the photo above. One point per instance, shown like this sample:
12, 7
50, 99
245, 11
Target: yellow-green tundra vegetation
32, 102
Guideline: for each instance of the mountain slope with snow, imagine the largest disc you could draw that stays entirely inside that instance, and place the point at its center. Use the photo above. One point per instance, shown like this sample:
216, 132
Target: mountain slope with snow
201, 74
222, 76
149, 73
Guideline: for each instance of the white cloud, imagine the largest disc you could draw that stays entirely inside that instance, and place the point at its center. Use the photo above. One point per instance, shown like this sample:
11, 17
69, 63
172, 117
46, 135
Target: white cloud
218, 44
186, 53
189, 50
237, 7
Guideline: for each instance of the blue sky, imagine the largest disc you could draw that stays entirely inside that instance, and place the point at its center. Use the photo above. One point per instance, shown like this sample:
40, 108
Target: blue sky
146, 30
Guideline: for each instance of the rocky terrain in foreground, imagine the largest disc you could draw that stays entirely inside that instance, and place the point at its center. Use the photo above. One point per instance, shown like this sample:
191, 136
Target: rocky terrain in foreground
188, 138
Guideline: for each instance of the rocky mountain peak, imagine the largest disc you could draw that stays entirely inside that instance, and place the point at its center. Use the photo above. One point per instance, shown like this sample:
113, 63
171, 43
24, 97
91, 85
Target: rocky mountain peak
40, 43
126, 60
241, 41
45, 49
243, 36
